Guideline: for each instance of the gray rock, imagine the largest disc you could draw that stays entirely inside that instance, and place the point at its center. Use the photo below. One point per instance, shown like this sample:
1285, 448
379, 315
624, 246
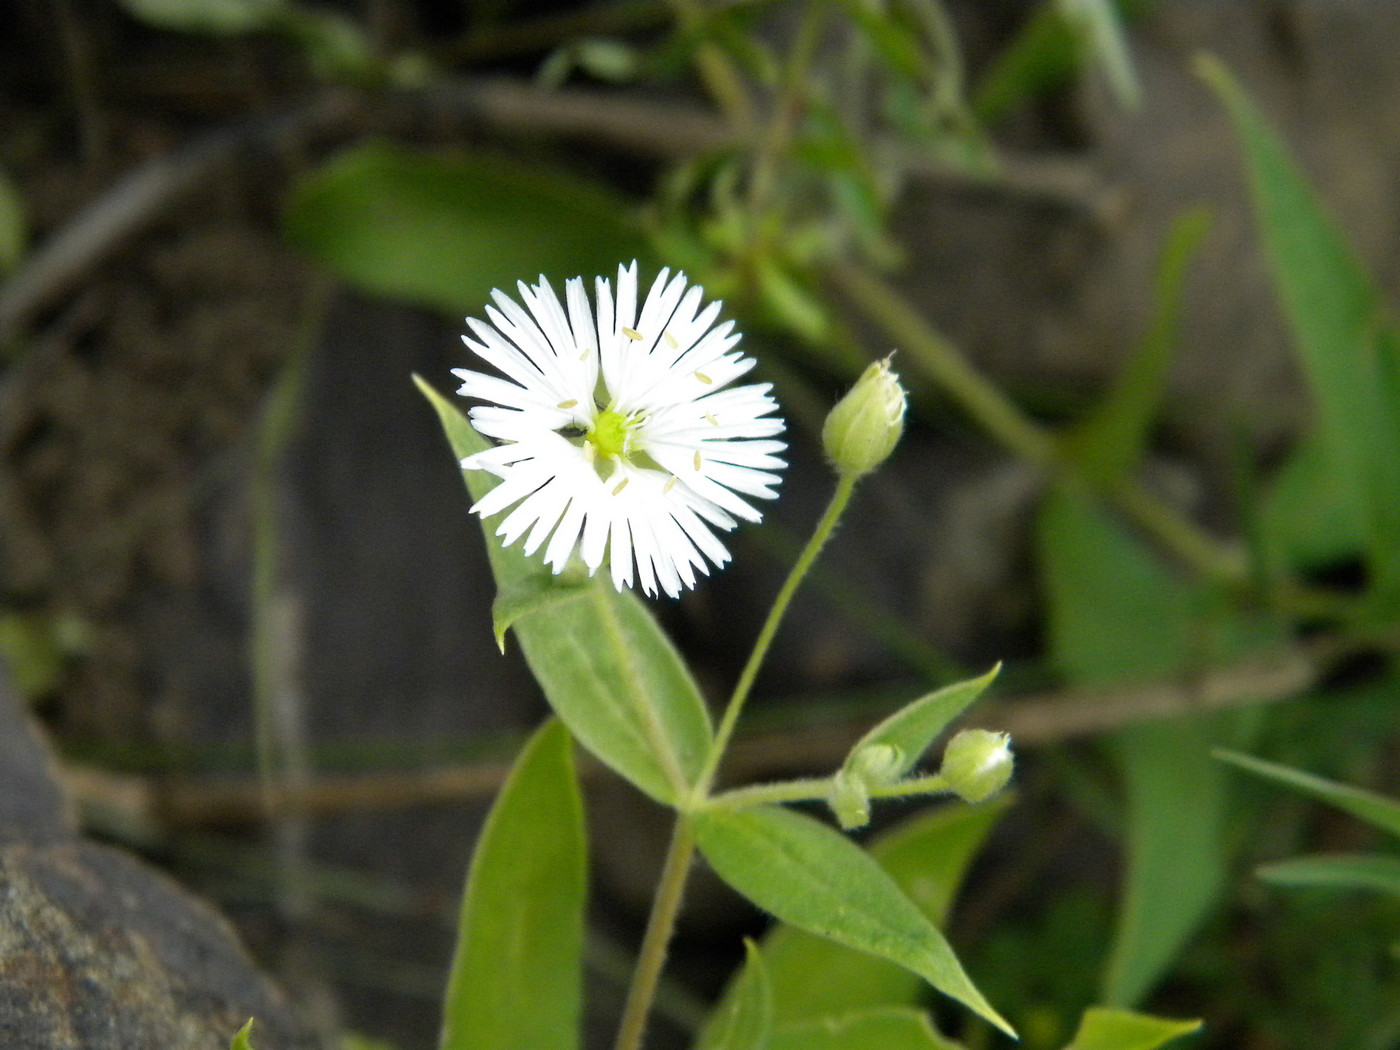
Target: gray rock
98, 950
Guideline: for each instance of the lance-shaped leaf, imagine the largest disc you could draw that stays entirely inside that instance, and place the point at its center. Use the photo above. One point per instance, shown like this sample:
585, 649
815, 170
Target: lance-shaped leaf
445, 230
517, 973
1109, 1029
927, 855
1345, 339
606, 667
1337, 871
1374, 809
812, 877
911, 729
744, 1020
890, 1028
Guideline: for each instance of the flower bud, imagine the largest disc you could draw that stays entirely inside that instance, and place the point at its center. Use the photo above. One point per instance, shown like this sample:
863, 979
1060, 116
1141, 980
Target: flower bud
877, 764
849, 800
977, 764
865, 425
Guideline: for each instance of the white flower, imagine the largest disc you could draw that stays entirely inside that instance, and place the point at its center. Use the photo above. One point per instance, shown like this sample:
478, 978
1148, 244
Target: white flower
621, 435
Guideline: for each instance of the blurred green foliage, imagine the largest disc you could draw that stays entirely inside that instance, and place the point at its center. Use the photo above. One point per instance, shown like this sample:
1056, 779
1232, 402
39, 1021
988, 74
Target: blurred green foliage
825, 127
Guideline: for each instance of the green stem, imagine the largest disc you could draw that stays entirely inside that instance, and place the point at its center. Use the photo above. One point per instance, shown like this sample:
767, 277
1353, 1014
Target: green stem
660, 925
844, 487
787, 108
817, 789
941, 362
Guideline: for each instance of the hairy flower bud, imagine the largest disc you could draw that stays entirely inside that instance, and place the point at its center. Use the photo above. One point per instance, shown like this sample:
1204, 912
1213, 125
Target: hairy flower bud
977, 764
849, 800
865, 425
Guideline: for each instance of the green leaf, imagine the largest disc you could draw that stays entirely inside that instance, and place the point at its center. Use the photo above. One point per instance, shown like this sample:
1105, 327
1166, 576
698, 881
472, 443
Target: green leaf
1305, 520
927, 856
241, 1038
1376, 810
1340, 328
1117, 612
1177, 807
1099, 29
1342, 871
218, 17
1108, 1029
888, 1028
812, 877
744, 1020
911, 729
1112, 440
529, 595
444, 231
517, 973
606, 667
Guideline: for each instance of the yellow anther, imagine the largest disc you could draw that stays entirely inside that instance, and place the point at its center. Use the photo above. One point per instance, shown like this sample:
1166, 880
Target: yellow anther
632, 334
670, 484
711, 420
567, 404
697, 459
703, 377
671, 340
620, 486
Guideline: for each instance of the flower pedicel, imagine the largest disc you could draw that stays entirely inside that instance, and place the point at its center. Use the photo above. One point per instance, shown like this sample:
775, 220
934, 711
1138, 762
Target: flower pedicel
621, 435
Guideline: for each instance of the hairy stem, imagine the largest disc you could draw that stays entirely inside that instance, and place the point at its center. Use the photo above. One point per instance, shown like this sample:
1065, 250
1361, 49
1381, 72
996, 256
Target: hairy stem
660, 925
844, 487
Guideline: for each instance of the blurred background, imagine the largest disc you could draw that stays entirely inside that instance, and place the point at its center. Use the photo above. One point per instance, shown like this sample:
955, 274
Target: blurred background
1142, 300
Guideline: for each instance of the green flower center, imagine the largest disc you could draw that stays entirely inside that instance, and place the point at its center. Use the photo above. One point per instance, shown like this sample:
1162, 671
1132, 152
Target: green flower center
611, 433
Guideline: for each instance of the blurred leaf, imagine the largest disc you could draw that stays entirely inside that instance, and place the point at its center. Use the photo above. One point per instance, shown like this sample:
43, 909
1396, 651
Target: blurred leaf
1112, 440
606, 667
1305, 520
1108, 1029
219, 17
1347, 352
444, 232
1177, 803
531, 594
33, 653
336, 46
1042, 57
794, 305
887, 1028
927, 855
743, 1020
1117, 613
814, 878
12, 226
242, 1036
1340, 871
912, 728
1098, 27
1374, 809
517, 972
